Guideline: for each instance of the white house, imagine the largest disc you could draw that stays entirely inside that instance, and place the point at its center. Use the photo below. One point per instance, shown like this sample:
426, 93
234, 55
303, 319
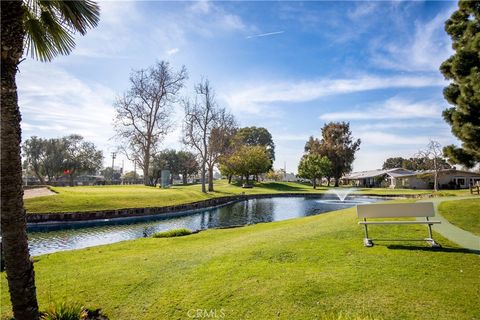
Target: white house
402, 178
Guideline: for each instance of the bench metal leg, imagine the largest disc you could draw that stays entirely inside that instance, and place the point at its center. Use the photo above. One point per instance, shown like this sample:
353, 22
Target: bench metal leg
430, 240
367, 242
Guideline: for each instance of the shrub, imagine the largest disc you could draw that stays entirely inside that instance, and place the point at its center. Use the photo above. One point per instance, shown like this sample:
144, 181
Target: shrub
71, 311
65, 311
173, 233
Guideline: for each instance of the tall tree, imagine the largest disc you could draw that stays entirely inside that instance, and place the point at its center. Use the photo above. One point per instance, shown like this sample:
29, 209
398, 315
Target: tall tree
248, 160
177, 162
463, 69
257, 136
188, 165
418, 163
81, 156
433, 156
314, 167
143, 113
46, 29
34, 150
338, 145
202, 116
220, 141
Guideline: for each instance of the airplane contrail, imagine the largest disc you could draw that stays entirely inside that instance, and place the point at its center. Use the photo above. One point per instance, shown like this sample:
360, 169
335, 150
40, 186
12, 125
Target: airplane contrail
264, 34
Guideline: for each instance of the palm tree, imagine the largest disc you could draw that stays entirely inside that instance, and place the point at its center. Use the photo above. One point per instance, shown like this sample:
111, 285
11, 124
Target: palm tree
45, 29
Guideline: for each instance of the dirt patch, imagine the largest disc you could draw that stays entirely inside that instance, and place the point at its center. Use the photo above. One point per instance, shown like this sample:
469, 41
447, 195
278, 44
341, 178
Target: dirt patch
39, 192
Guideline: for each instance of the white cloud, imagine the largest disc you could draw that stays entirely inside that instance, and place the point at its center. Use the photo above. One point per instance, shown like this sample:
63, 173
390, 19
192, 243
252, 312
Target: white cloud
425, 51
255, 98
64, 104
172, 51
362, 9
379, 138
393, 108
402, 125
113, 34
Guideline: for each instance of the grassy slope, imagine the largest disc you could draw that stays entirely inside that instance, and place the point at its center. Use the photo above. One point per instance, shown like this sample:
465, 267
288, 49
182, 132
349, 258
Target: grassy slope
464, 214
118, 197
294, 269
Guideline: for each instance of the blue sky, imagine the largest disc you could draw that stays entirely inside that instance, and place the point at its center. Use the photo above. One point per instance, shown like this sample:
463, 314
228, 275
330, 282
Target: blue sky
286, 66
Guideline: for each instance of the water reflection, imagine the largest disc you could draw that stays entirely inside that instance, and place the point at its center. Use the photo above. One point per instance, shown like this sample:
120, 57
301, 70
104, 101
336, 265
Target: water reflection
48, 239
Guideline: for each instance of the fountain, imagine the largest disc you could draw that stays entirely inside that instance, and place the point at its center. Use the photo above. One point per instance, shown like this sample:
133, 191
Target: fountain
341, 194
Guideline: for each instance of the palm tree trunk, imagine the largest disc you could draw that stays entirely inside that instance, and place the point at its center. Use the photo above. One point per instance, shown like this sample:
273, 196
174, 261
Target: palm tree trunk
19, 267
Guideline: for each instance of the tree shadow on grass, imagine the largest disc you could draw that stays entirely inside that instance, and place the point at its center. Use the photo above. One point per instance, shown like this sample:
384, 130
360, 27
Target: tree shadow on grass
431, 249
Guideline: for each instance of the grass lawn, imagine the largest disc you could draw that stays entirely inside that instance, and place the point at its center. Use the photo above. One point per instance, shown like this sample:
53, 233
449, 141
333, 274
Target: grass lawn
464, 214
307, 268
71, 199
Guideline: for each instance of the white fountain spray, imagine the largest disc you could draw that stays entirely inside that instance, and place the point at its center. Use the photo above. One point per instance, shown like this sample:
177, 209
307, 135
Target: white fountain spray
341, 193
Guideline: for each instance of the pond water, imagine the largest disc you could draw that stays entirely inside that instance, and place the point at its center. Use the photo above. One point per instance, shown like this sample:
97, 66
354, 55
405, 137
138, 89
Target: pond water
51, 238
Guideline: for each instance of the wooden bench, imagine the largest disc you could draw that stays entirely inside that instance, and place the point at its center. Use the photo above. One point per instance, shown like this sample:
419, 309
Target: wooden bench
397, 210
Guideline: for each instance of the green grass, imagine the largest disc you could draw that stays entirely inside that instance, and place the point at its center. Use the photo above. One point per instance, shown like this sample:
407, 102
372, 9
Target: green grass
173, 233
78, 199
313, 267
464, 214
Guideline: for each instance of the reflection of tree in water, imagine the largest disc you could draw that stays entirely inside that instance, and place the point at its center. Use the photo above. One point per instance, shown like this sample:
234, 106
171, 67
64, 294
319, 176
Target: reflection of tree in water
244, 212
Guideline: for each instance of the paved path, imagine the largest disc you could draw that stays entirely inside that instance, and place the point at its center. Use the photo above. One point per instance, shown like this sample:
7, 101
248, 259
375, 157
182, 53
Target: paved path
37, 192
461, 237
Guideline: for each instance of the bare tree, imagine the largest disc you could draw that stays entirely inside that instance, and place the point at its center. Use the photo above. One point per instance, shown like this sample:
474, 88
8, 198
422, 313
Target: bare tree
220, 141
433, 154
143, 112
206, 129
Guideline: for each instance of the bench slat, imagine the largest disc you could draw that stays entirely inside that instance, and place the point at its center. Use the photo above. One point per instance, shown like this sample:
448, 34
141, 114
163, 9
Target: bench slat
395, 210
399, 222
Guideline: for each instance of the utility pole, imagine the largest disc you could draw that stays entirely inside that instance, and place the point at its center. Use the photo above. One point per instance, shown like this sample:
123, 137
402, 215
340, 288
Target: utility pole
114, 155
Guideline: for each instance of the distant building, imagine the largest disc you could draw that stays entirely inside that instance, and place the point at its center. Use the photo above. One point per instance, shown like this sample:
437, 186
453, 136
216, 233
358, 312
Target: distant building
289, 177
402, 178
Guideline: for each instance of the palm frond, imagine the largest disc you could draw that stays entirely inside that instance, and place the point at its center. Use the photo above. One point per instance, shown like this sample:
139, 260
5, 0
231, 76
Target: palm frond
51, 24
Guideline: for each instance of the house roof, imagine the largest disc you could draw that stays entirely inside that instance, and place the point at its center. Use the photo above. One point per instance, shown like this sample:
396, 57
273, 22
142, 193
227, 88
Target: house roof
400, 173
396, 172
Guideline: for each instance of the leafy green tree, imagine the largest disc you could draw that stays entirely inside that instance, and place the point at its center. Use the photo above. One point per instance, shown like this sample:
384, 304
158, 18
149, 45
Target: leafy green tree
227, 167
178, 162
463, 69
81, 157
314, 167
167, 160
188, 165
247, 161
392, 163
34, 150
338, 145
46, 157
45, 29
130, 177
110, 174
275, 175
418, 163
256, 136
